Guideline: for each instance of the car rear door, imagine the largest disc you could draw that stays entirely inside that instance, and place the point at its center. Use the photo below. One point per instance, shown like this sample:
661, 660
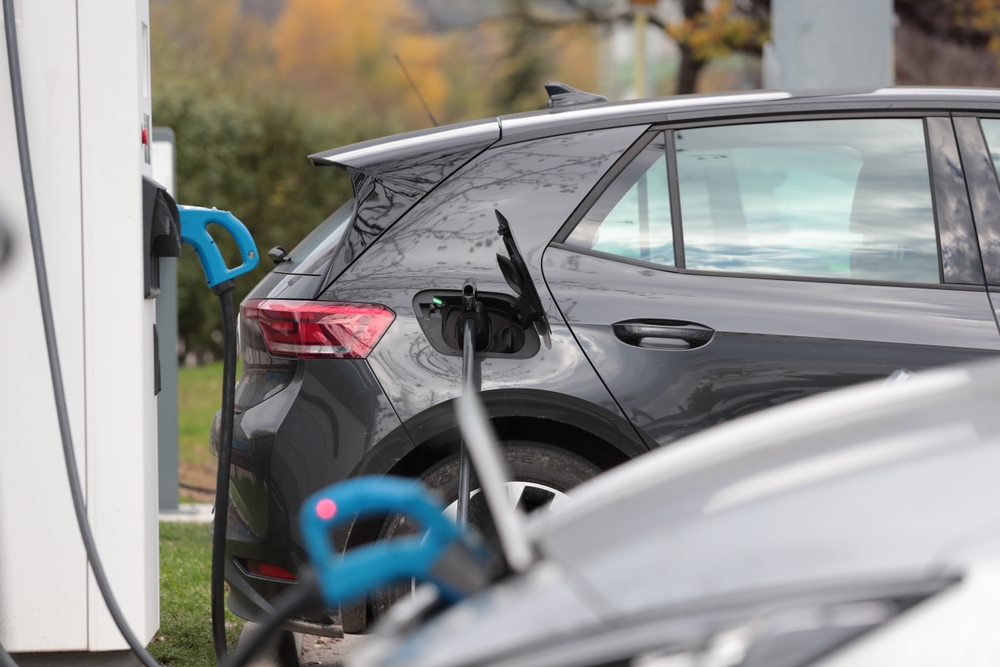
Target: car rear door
722, 268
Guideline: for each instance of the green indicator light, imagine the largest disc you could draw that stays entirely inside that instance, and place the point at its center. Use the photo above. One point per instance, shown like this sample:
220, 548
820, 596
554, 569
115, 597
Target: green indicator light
437, 301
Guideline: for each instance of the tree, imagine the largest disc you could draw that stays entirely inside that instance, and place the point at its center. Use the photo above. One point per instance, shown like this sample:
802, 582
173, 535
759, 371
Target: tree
731, 26
973, 23
340, 53
703, 34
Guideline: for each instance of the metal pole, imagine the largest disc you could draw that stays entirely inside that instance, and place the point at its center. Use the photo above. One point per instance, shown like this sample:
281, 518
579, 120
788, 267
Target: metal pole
468, 386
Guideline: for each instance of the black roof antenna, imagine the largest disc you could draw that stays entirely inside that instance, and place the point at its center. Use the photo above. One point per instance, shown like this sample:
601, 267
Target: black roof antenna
561, 95
415, 89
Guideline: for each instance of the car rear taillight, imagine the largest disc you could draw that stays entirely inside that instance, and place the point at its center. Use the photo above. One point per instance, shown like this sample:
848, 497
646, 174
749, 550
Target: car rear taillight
319, 329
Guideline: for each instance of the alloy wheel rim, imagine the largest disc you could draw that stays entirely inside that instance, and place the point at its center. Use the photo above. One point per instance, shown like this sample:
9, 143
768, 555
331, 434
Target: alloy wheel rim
527, 496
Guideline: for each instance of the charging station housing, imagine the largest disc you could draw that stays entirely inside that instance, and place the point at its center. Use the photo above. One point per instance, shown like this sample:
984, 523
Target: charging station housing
86, 73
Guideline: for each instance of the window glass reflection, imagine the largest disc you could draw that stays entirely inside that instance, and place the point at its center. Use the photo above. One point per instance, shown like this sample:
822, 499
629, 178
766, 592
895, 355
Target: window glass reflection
844, 199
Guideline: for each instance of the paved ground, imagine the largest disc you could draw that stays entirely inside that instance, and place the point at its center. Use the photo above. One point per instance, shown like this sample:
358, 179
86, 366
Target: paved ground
327, 652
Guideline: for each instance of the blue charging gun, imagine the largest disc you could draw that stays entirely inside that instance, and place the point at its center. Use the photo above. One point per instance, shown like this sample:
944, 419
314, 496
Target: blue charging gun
455, 561
194, 231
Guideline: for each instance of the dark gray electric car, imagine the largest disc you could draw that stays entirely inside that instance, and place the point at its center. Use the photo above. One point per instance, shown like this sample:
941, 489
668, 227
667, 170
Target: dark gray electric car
641, 270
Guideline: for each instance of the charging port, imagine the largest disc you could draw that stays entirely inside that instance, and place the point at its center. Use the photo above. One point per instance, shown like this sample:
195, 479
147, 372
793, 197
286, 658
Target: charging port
441, 314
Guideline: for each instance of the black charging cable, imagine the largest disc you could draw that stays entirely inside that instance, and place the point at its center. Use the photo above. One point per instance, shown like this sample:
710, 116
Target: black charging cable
220, 522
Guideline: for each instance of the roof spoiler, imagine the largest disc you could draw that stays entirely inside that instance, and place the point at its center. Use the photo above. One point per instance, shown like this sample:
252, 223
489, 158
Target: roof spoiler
366, 156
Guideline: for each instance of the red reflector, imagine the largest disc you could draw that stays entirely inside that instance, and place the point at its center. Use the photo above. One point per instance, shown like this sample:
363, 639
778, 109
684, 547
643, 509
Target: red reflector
268, 570
319, 329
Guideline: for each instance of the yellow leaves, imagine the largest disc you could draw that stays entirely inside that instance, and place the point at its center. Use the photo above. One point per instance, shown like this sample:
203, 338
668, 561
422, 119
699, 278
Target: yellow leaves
983, 15
341, 51
336, 57
979, 14
720, 31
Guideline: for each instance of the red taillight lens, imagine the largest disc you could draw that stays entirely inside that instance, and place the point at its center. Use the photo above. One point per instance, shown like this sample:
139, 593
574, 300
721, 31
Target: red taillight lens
319, 329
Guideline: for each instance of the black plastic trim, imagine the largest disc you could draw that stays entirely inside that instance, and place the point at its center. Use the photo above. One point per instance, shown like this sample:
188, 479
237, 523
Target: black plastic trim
956, 230
674, 190
984, 191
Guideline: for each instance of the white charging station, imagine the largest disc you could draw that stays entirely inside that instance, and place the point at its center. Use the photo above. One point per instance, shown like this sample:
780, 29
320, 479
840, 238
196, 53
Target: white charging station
86, 73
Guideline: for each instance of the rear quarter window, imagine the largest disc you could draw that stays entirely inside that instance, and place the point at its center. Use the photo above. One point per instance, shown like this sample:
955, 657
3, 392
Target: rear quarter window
314, 251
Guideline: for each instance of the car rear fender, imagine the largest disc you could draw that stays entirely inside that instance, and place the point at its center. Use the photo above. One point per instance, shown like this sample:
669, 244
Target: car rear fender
600, 436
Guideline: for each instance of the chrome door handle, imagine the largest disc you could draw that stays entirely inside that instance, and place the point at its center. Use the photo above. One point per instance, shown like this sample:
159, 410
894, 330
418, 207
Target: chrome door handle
662, 334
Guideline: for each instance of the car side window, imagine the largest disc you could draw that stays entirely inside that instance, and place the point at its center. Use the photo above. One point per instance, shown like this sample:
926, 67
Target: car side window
632, 217
843, 199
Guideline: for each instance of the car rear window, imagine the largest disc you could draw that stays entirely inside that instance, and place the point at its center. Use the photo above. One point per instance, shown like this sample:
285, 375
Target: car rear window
311, 255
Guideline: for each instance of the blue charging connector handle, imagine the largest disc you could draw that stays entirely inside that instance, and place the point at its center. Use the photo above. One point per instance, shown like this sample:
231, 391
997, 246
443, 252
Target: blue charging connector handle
194, 231
346, 578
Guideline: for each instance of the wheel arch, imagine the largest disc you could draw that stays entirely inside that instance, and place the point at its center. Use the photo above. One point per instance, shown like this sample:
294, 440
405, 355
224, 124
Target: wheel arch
578, 426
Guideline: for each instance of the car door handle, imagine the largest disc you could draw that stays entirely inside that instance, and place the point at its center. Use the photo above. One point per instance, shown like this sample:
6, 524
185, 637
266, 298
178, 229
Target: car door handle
663, 334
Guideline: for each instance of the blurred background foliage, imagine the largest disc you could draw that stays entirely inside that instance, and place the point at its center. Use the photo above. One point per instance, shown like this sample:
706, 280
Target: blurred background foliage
251, 87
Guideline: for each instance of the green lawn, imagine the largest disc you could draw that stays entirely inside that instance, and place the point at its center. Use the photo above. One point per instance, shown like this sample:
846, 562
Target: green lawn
199, 398
185, 635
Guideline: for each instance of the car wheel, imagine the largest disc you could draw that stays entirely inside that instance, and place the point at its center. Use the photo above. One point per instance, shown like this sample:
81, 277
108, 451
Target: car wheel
541, 475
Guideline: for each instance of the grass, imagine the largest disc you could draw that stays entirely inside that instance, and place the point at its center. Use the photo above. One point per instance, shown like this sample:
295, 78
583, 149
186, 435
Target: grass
185, 635
199, 391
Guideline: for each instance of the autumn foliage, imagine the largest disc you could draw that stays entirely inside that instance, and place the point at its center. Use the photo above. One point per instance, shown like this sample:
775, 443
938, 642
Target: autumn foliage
249, 96
341, 53
720, 31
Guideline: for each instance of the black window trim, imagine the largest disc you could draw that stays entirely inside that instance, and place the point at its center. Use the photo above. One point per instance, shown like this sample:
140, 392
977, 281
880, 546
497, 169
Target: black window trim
943, 181
559, 240
673, 186
988, 187
763, 276
934, 197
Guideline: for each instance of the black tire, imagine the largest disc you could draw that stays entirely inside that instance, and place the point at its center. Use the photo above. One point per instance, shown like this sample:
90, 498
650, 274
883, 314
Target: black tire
527, 461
